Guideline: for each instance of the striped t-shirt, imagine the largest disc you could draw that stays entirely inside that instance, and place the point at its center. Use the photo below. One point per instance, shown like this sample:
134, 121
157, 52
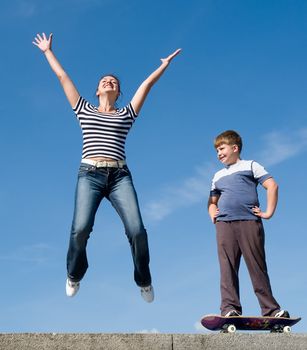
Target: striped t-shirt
104, 134
236, 187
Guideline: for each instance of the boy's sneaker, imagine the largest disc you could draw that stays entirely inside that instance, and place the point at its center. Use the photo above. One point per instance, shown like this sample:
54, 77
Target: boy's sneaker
148, 293
72, 287
282, 313
232, 313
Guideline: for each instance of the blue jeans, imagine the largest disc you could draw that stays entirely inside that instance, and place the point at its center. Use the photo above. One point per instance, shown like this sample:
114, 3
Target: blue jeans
116, 185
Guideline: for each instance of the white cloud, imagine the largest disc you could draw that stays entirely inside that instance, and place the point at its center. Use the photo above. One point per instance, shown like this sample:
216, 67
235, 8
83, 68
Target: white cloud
23, 9
153, 330
279, 146
276, 147
185, 193
199, 327
35, 254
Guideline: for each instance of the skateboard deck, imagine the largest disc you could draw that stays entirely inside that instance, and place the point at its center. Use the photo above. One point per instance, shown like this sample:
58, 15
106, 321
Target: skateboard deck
248, 323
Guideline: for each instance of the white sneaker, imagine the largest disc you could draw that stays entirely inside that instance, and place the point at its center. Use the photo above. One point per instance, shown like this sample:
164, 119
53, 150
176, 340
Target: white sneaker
282, 313
148, 293
232, 313
72, 287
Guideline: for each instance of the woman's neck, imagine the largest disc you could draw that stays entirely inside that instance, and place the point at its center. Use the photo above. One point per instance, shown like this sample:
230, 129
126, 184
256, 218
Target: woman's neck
106, 105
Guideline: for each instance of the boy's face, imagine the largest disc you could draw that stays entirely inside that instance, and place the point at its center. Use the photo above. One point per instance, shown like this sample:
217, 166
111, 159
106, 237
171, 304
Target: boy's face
228, 154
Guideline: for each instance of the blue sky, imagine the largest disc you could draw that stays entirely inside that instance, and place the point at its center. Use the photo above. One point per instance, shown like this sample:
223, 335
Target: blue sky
243, 66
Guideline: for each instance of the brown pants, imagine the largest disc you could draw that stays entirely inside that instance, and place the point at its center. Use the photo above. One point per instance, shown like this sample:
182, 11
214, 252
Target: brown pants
234, 239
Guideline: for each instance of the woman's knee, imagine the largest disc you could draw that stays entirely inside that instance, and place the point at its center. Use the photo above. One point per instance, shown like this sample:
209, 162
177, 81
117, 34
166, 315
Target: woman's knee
80, 234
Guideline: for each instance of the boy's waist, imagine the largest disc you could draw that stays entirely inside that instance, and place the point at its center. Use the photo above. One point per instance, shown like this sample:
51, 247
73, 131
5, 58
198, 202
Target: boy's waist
254, 218
231, 213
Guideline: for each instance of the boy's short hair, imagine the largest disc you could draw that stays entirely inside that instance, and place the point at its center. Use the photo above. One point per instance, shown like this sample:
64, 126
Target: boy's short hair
229, 137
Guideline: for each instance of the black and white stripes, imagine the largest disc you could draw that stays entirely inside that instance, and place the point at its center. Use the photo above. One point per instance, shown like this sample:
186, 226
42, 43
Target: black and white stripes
104, 134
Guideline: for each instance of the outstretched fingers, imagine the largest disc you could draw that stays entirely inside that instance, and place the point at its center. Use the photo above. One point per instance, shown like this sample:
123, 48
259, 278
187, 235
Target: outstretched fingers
171, 56
42, 42
175, 53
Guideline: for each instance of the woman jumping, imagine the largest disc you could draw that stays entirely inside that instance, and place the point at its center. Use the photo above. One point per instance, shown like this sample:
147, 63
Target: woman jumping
103, 171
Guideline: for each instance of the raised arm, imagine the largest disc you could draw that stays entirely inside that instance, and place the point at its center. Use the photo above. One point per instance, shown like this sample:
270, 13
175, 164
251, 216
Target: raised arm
45, 45
143, 90
272, 197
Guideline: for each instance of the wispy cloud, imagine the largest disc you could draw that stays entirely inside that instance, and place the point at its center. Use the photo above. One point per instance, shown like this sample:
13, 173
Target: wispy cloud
34, 254
279, 146
276, 147
145, 331
199, 327
190, 191
22, 9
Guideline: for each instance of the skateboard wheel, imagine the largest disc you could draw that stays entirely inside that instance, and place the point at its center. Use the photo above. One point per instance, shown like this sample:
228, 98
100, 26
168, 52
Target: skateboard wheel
287, 329
231, 328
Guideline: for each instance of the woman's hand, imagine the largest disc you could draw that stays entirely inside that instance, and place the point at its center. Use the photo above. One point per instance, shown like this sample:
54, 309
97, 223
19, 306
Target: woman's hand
42, 42
143, 90
170, 57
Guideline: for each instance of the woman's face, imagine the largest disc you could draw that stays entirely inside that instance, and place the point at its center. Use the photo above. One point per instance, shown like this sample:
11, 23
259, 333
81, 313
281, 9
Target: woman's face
109, 85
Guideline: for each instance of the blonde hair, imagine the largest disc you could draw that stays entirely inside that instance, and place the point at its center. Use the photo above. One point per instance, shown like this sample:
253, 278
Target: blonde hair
229, 137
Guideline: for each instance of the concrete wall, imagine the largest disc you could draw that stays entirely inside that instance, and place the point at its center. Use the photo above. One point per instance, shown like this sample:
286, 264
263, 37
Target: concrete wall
246, 341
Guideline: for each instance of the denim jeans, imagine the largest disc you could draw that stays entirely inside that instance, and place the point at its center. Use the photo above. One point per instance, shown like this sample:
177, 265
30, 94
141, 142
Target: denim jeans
116, 185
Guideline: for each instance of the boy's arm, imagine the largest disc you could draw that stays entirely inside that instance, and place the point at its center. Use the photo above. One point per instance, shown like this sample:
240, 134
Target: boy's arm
272, 197
212, 208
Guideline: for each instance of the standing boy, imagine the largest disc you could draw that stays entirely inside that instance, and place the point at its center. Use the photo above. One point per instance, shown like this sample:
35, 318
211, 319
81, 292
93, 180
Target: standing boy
234, 209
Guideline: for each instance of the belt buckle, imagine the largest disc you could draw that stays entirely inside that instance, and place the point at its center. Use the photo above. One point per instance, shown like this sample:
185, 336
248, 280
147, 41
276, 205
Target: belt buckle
110, 164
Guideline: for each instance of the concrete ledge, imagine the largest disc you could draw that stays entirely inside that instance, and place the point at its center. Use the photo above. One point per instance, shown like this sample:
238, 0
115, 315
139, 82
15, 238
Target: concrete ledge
30, 341
240, 341
97, 341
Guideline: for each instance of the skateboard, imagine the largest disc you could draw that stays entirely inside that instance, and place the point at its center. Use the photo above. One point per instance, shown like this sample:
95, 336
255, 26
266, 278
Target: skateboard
248, 323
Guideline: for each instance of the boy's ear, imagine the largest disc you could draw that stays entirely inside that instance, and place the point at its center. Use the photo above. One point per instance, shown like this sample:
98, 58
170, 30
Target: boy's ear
236, 148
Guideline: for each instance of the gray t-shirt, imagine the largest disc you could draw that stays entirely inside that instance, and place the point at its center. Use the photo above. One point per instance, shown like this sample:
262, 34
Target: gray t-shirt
236, 186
